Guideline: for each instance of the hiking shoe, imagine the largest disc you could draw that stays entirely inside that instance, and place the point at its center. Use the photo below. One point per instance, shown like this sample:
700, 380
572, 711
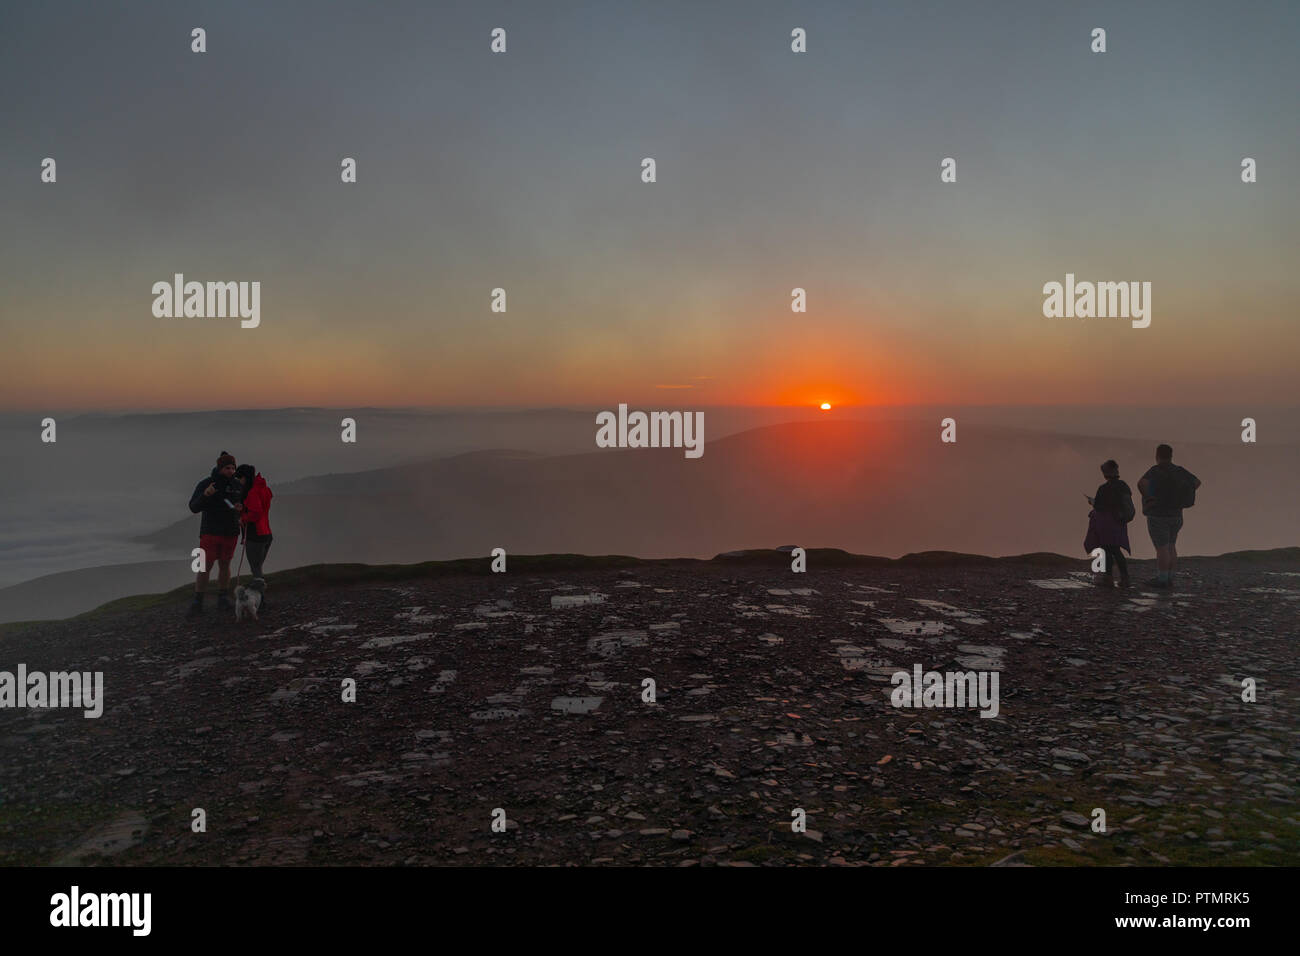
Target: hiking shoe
1125, 583
224, 603
196, 608
1157, 583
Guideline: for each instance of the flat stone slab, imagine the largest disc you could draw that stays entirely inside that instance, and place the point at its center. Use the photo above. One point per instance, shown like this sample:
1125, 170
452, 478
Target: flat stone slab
576, 705
576, 600
981, 657
394, 639
612, 643
326, 629
900, 626
1073, 756
414, 616
941, 607
1058, 584
496, 713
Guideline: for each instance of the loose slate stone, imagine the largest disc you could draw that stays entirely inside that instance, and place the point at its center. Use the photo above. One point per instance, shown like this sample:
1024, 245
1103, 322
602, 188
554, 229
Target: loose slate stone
613, 643
393, 640
576, 600
1057, 584
576, 705
496, 713
1074, 756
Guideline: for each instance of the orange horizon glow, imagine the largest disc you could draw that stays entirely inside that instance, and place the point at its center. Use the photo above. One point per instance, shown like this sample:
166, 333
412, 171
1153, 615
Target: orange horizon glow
180, 379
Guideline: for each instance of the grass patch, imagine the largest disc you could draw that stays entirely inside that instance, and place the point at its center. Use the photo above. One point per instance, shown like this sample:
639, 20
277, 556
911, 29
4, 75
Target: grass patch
763, 852
37, 836
1158, 830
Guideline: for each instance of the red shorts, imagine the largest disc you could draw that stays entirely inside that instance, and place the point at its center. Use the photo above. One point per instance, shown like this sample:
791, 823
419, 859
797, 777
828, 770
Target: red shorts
218, 547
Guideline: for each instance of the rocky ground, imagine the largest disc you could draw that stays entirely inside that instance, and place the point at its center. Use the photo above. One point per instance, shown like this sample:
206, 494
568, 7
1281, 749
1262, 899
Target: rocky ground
523, 691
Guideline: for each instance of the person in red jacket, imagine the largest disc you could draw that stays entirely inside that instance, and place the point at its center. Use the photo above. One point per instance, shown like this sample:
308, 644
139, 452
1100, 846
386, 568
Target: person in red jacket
254, 519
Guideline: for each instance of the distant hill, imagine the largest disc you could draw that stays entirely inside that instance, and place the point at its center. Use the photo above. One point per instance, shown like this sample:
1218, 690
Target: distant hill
873, 487
887, 488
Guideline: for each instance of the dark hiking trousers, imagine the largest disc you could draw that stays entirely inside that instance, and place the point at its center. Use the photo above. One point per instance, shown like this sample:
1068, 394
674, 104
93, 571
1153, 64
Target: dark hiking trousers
1115, 559
256, 549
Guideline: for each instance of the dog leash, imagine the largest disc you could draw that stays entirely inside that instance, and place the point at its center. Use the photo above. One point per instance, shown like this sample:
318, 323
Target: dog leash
243, 543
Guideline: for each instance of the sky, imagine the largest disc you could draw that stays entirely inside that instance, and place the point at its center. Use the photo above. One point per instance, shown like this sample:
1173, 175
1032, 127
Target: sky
522, 170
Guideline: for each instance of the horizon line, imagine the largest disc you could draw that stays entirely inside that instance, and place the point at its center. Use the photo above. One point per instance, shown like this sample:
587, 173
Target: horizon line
811, 406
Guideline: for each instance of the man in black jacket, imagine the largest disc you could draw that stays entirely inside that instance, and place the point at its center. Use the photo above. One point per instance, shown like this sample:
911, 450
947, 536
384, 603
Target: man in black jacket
1166, 489
219, 499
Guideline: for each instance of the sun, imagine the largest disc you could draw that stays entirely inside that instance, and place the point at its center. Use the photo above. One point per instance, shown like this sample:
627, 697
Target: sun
826, 406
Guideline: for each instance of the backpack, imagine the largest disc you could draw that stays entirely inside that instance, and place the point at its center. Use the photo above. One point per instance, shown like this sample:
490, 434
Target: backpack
1128, 512
1170, 487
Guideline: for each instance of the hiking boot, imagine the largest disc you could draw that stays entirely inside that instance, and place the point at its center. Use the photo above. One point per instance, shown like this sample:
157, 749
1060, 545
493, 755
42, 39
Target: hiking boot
1157, 583
224, 603
196, 607
1125, 583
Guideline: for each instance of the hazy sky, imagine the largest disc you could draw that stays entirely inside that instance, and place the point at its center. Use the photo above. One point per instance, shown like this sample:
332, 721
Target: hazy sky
522, 170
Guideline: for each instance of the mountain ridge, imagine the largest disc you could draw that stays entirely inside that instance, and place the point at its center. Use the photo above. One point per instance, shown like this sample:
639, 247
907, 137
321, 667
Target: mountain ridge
337, 574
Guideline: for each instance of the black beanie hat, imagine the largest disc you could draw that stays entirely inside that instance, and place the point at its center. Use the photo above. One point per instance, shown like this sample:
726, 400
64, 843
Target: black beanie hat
246, 472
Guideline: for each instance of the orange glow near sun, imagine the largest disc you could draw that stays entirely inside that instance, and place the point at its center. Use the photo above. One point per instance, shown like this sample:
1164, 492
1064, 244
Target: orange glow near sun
826, 406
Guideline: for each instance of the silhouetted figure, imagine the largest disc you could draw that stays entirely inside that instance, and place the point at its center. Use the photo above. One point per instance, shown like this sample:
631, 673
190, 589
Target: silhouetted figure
219, 499
1112, 510
255, 519
1166, 490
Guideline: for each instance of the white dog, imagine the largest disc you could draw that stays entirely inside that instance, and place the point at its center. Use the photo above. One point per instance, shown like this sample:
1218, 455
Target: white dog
249, 599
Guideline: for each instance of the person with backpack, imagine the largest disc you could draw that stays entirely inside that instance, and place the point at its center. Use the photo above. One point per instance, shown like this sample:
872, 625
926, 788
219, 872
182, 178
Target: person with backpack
1112, 510
219, 498
1166, 490
255, 519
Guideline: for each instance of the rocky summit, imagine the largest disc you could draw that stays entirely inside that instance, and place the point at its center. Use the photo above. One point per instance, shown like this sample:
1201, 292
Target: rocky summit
674, 714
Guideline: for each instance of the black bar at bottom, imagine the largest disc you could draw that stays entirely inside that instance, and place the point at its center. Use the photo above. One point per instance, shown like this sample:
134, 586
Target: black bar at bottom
581, 906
